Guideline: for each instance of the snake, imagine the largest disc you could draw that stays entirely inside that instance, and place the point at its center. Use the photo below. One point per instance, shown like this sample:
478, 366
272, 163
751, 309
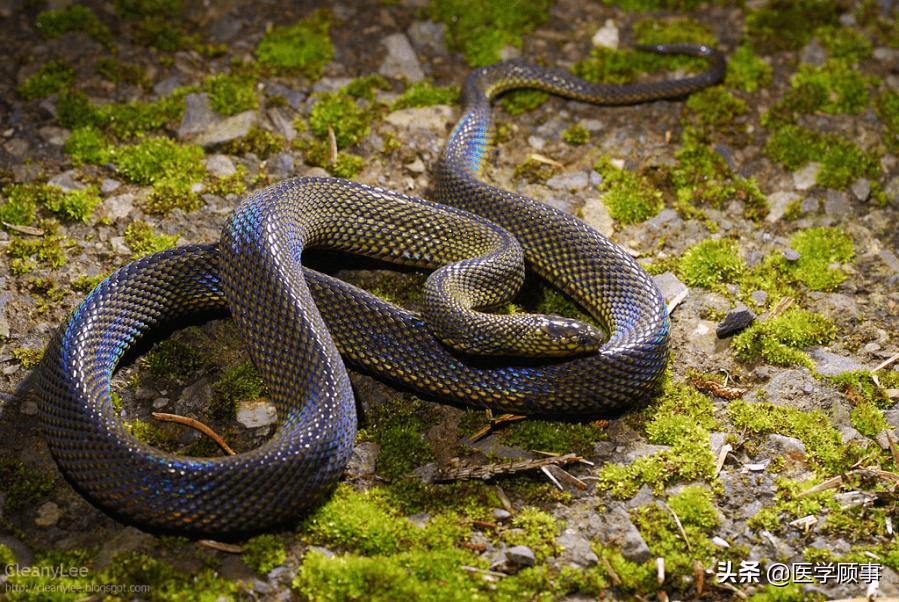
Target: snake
302, 327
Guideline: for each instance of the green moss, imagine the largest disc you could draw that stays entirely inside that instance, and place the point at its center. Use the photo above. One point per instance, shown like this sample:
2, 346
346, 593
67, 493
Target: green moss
142, 241
76, 17
576, 134
170, 193
681, 414
845, 44
553, 437
842, 162
153, 434
367, 86
397, 427
426, 94
697, 515
824, 445
87, 145
362, 523
819, 249
414, 575
46, 250
716, 109
746, 71
789, 24
868, 419
791, 501
173, 360
49, 79
263, 553
303, 48
517, 102
231, 94
85, 284
888, 110
118, 72
28, 358
157, 158
481, 28
859, 387
225, 185
675, 30
349, 121
128, 120
836, 87
166, 582
317, 153
346, 165
23, 201
535, 529
711, 262
780, 340
695, 506
74, 205
23, 486
20, 204
629, 197
258, 141
239, 383
682, 418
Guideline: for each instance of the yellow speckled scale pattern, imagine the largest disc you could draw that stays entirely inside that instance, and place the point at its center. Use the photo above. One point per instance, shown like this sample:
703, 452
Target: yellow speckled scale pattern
298, 323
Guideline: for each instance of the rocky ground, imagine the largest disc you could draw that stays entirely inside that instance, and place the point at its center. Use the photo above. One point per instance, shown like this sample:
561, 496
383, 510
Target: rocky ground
712, 474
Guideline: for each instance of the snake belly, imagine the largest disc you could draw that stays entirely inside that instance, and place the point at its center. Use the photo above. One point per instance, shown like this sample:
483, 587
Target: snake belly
255, 272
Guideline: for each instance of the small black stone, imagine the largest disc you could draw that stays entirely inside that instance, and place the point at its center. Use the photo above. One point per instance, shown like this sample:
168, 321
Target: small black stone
736, 320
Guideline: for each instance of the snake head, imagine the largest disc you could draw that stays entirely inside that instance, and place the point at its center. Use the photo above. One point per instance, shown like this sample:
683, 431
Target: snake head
566, 336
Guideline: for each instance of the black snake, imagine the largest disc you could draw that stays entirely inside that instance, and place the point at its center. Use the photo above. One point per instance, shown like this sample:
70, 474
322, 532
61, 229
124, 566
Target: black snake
255, 272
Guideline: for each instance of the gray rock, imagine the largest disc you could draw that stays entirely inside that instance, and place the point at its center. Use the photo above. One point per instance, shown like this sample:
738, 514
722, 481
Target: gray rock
861, 189
576, 549
804, 177
400, 62
571, 182
294, 98
670, 286
596, 215
836, 203
119, 206
198, 115
521, 555
434, 119
362, 460
220, 166
501, 514
734, 321
226, 130
790, 254
66, 181
255, 413
828, 363
778, 203
759, 296
616, 530
424, 34
281, 165
282, 123
606, 36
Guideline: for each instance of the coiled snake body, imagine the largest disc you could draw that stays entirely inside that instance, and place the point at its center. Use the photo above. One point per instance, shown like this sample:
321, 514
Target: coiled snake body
255, 272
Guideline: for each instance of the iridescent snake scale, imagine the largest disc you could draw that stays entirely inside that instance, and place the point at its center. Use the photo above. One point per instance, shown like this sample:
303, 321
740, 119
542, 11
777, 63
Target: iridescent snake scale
255, 272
